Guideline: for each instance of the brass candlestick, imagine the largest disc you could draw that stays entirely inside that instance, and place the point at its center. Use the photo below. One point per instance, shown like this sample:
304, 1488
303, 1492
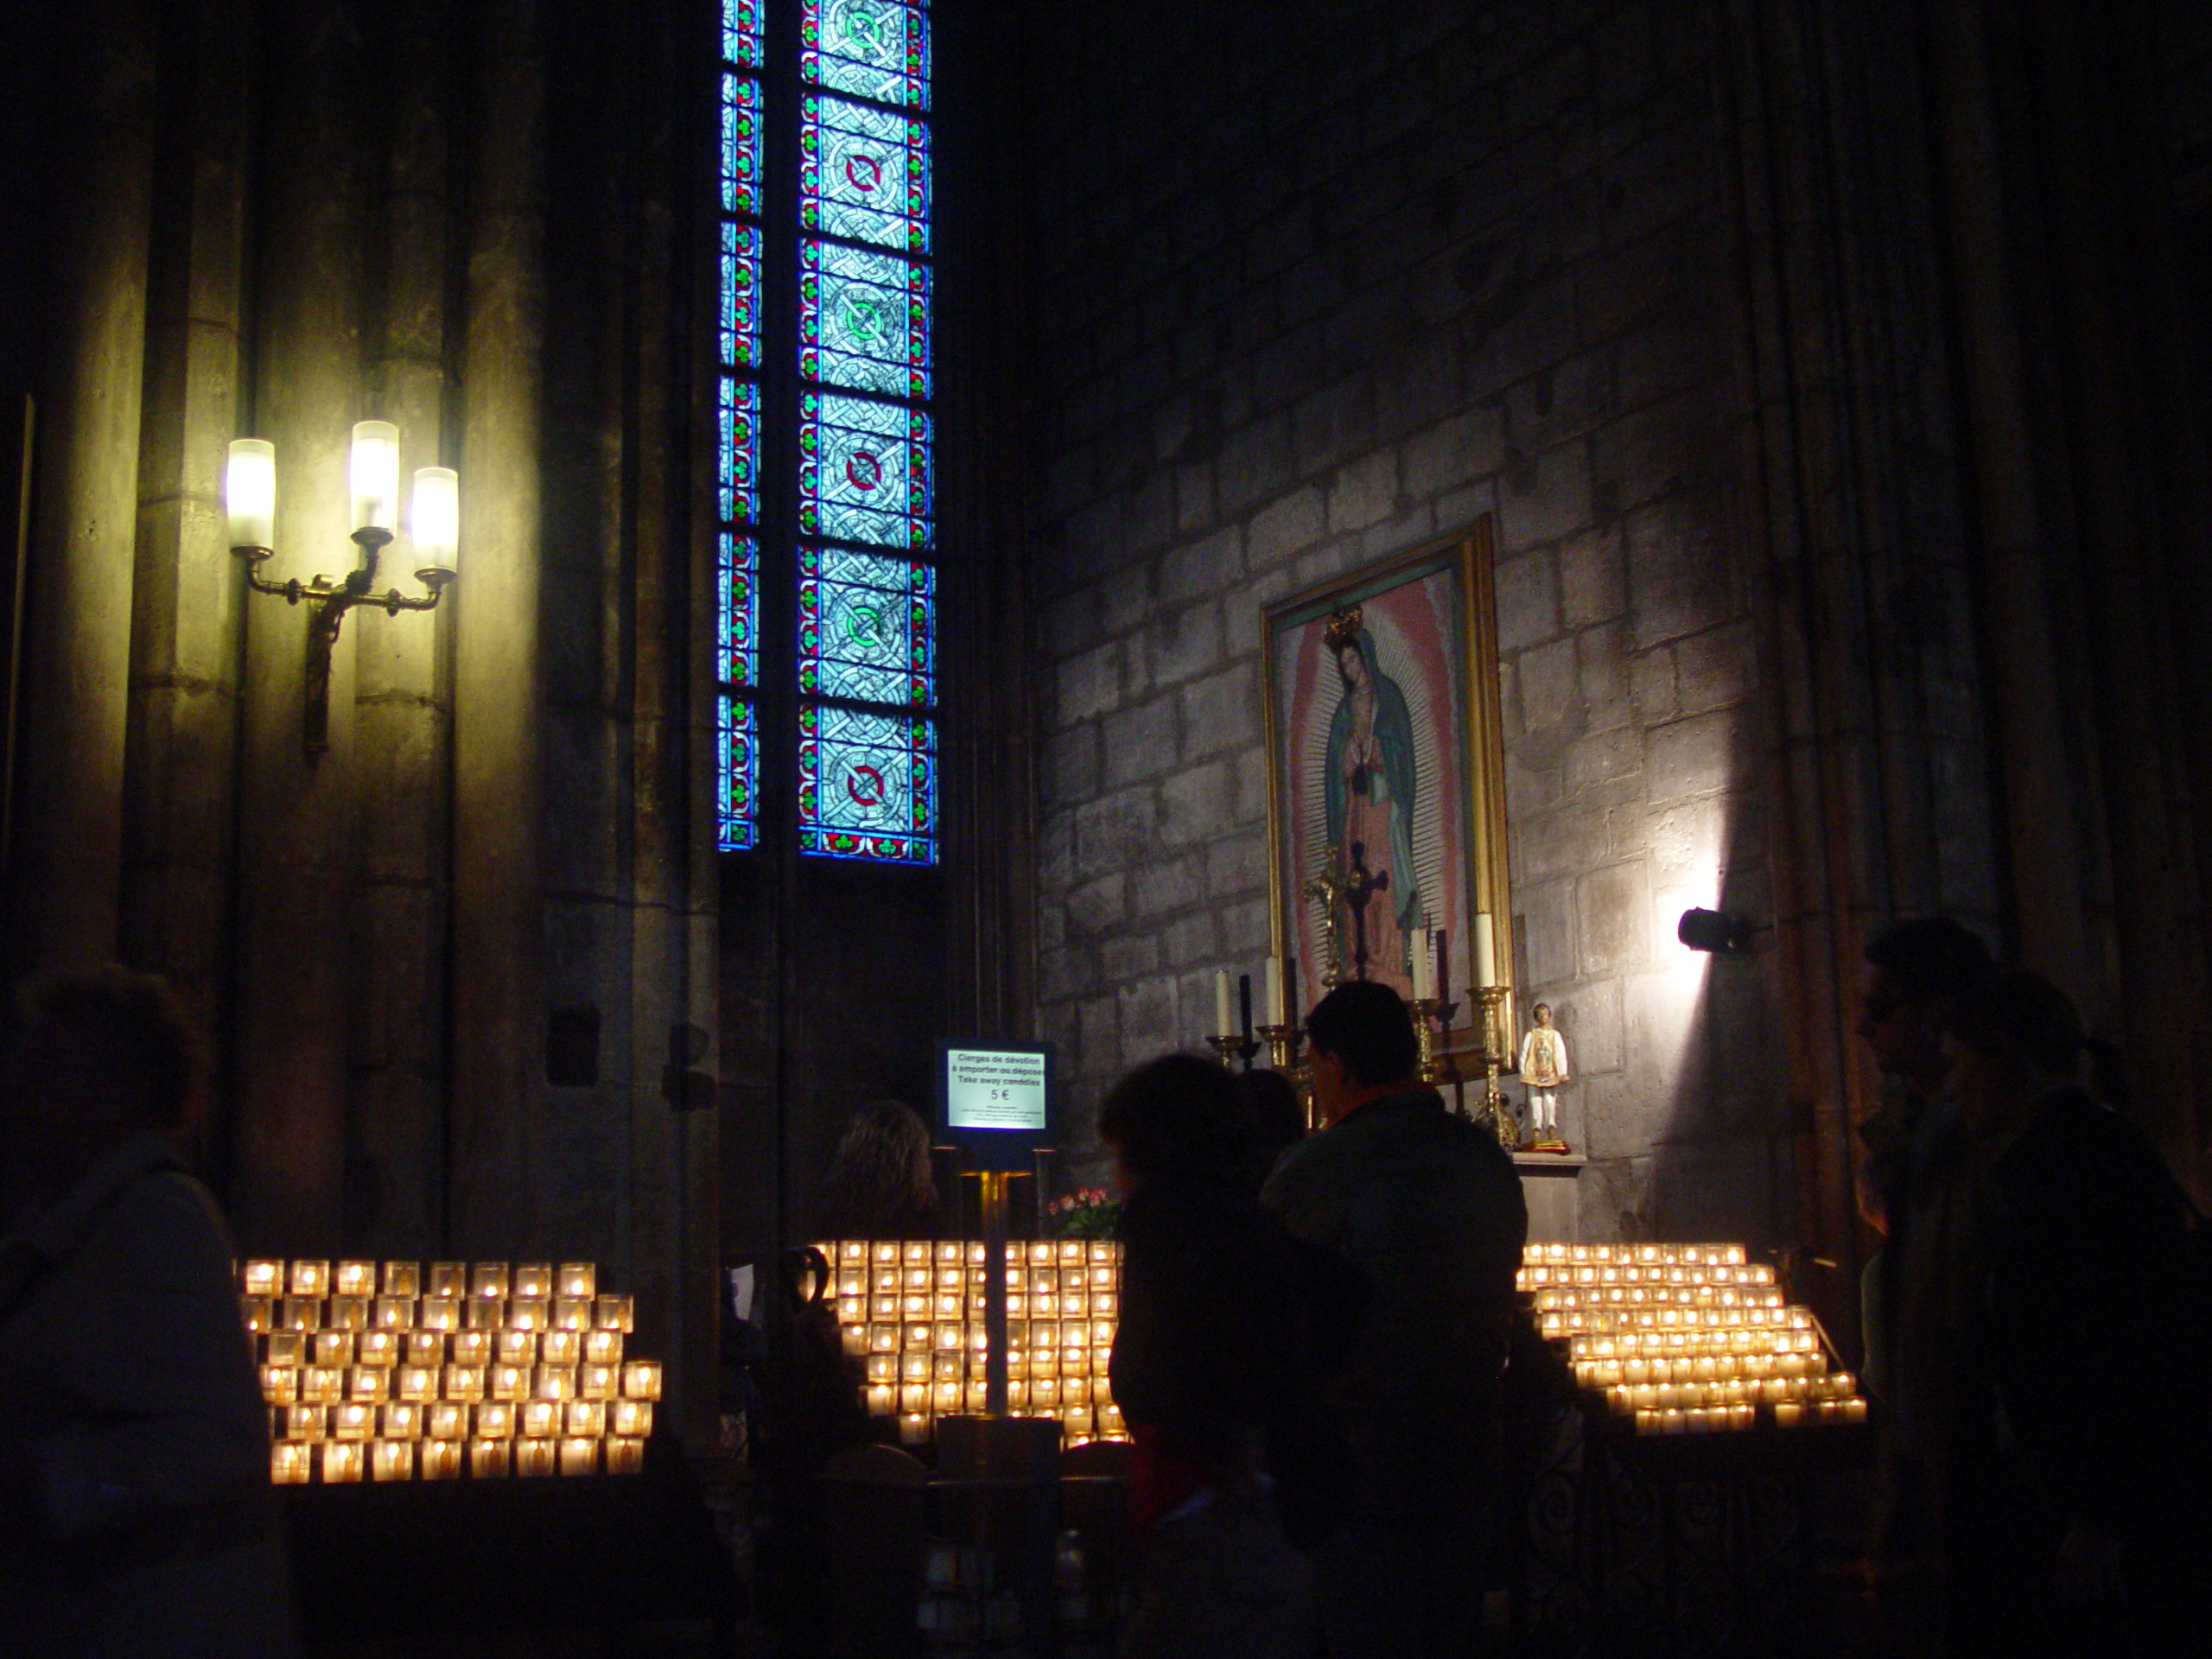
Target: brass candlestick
1233, 1048
1494, 1110
1284, 1043
1432, 1020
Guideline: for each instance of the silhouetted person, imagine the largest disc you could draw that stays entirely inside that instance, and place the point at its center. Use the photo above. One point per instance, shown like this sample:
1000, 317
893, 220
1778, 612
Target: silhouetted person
1226, 1321
880, 1183
1428, 1207
1916, 1187
1276, 1121
136, 1510
2070, 1521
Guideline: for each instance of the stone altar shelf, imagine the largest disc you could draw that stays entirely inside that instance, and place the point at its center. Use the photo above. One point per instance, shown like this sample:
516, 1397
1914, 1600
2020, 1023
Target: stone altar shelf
1548, 1181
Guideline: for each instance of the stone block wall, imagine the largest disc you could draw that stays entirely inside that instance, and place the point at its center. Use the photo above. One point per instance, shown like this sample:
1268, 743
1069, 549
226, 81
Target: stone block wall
1316, 287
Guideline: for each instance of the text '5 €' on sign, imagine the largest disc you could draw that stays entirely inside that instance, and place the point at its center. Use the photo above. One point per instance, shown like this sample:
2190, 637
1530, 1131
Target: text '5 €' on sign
996, 1101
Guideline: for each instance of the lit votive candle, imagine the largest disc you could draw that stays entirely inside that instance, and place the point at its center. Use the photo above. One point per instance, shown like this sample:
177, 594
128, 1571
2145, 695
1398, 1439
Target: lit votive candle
1788, 1413
402, 1280
354, 1421
515, 1347
395, 1312
446, 1279
371, 1383
310, 1278
489, 1279
305, 1422
604, 1382
348, 1313
439, 1314
291, 1463
355, 1279
614, 1313
571, 1313
341, 1462
539, 1420
641, 1379
415, 1383
441, 1460
400, 1421
262, 1278
579, 1456
529, 1313
333, 1348
320, 1385
446, 1420
508, 1382
377, 1348
555, 1382
1672, 1422
490, 1458
575, 1279
1854, 1409
536, 1458
392, 1461
495, 1419
605, 1347
625, 1456
913, 1429
532, 1279
468, 1383
280, 1385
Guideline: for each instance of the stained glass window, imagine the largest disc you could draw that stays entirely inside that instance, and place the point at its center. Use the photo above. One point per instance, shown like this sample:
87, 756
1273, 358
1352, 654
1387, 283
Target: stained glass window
737, 429
867, 629
864, 471
864, 173
868, 785
740, 317
737, 576
863, 320
738, 441
878, 48
737, 758
741, 32
740, 144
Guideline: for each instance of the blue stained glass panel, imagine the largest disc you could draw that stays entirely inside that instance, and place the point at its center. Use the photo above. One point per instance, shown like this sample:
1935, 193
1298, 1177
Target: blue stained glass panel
740, 144
740, 317
864, 471
737, 759
737, 590
864, 173
866, 627
878, 48
863, 321
741, 32
867, 785
738, 444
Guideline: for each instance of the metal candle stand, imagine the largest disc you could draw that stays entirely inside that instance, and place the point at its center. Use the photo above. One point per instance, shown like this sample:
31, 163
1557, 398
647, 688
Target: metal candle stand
1494, 1110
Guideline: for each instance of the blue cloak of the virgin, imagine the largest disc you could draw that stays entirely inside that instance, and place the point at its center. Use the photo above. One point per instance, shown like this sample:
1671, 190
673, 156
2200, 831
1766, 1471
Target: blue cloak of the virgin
1394, 735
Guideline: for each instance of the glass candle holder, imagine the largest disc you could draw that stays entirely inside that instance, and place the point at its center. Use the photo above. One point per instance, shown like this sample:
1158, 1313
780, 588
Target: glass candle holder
299, 1313
913, 1429
470, 1347
355, 1279
614, 1313
496, 1420
402, 1280
579, 1456
489, 1280
533, 1280
537, 1420
445, 1419
625, 1456
584, 1417
577, 1279
377, 1348
392, 1461
285, 1348
417, 1383
529, 1313
426, 1347
534, 1458
466, 1382
605, 1347
515, 1347
401, 1419
490, 1459
598, 1382
571, 1313
348, 1313
977, 1396
341, 1462
882, 1399
439, 1314
560, 1347
309, 1278
280, 1385
510, 1383
321, 1385
441, 1460
484, 1312
308, 1423
291, 1463
334, 1347
369, 1383
355, 1420
394, 1314
446, 1279
554, 1382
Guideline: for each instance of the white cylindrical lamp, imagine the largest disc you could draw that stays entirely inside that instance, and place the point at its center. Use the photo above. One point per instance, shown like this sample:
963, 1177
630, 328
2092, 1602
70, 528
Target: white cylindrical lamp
375, 475
435, 523
250, 493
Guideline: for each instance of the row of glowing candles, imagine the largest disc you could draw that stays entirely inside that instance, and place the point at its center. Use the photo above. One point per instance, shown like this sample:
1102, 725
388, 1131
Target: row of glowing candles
309, 1277
431, 1349
297, 1463
1702, 1419
401, 1313
454, 1419
418, 1385
969, 1252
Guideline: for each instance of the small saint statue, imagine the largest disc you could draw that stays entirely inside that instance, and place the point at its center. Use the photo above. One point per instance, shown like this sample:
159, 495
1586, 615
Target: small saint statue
1544, 1069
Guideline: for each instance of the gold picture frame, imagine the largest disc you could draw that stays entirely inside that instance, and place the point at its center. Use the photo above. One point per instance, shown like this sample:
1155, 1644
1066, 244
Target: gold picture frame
1431, 742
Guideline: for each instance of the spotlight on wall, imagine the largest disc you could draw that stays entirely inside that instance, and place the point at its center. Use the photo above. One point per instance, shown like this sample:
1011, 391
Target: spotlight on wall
1715, 931
249, 498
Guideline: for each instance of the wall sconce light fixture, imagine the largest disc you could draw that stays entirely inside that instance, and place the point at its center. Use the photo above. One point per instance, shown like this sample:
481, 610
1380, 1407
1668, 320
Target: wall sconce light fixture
249, 496
1715, 931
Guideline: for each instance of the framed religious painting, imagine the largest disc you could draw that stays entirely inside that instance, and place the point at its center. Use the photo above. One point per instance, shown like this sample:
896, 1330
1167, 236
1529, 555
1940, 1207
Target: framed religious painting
1386, 772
